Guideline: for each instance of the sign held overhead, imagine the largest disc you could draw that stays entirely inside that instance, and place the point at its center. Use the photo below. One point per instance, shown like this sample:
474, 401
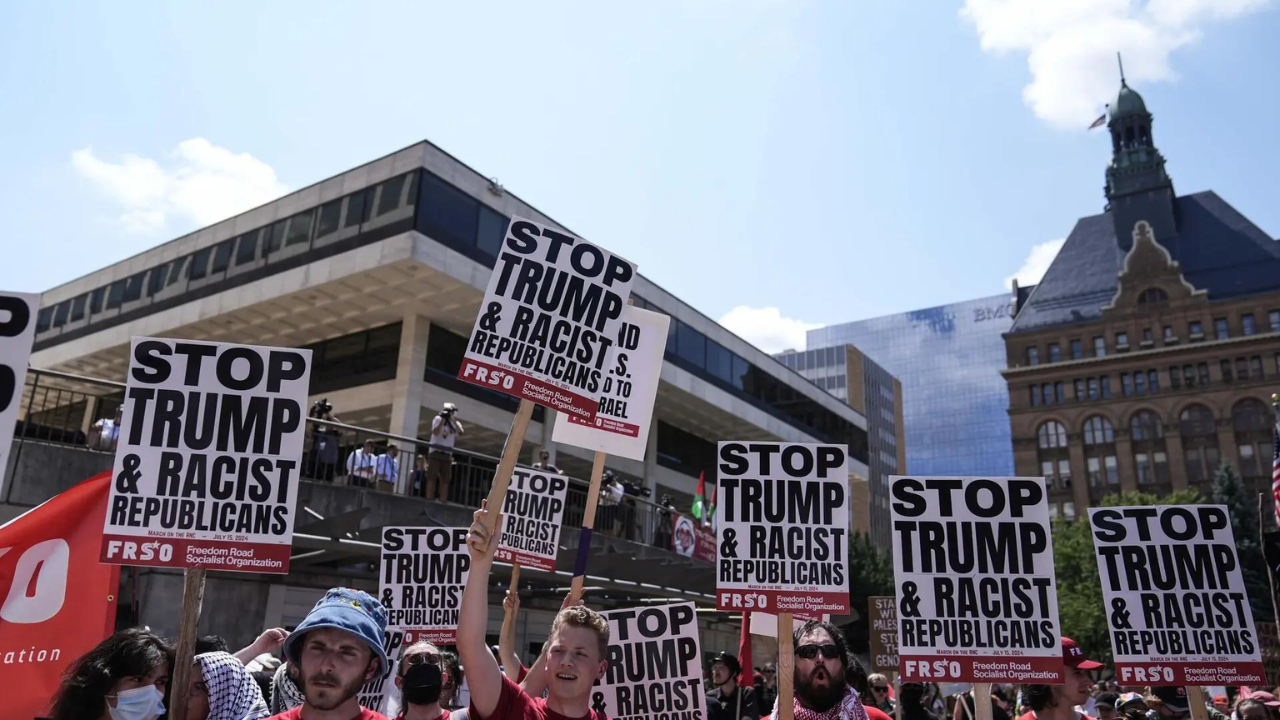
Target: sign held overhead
422, 574
17, 331
532, 515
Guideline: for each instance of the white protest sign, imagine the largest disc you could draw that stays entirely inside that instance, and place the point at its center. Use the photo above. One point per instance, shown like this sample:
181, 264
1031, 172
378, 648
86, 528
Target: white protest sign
421, 578
621, 425
206, 468
766, 624
654, 665
1175, 597
381, 690
549, 316
532, 514
783, 540
973, 567
17, 331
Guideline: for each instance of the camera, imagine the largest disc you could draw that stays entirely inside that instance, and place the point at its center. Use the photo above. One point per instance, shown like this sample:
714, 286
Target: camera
449, 410
637, 490
320, 408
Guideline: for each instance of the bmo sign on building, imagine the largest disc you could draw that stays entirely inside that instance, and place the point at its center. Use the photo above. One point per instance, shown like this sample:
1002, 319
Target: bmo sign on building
206, 469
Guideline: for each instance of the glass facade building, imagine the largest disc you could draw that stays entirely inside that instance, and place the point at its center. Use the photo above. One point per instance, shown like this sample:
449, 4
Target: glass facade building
948, 359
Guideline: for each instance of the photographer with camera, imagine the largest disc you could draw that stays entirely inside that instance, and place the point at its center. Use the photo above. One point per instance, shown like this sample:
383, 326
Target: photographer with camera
666, 523
324, 442
445, 430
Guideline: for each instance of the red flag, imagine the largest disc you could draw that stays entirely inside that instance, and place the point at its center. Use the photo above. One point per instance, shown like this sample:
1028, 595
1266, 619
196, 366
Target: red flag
59, 601
747, 677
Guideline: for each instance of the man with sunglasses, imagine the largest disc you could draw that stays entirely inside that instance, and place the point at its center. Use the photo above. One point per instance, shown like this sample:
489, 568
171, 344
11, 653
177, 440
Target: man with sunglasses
821, 688
727, 701
420, 679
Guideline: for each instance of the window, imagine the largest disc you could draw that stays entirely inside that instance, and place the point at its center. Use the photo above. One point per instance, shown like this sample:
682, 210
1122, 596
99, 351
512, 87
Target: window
1153, 381
1255, 367
247, 248
299, 231
133, 287
1220, 327
1248, 461
1252, 422
155, 281
1099, 346
61, 312
1273, 317
493, 228
1122, 340
1126, 384
1196, 329
199, 264
77, 308
1248, 325
1152, 295
1093, 388
1226, 370
1146, 426
1242, 369
95, 306
1202, 371
1077, 350
1037, 398
1047, 389
1069, 511
1147, 336
330, 214
1099, 431
1175, 377
720, 363
1052, 435
358, 207
450, 215
389, 200
1059, 396
1033, 355
1079, 388
1139, 383
1168, 334
43, 319
1142, 464
1055, 352
692, 345
1189, 376
175, 270
1105, 383
222, 256
274, 237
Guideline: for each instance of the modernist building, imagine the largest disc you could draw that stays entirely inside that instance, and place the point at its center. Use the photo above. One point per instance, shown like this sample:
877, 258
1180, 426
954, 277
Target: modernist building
380, 271
1147, 354
844, 371
954, 402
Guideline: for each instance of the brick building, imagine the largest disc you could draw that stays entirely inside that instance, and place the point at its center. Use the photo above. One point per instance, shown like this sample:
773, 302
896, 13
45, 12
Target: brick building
1148, 353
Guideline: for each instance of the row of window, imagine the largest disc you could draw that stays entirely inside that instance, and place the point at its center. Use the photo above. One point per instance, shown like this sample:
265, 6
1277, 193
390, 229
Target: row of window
1248, 325
1145, 382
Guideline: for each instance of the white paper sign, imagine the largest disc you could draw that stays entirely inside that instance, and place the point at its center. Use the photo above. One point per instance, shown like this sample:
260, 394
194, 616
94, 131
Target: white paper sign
422, 574
621, 425
17, 331
549, 317
973, 568
532, 515
654, 665
207, 462
1174, 595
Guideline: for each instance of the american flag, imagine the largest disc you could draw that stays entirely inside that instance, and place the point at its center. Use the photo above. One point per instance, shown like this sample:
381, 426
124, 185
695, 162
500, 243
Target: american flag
1275, 470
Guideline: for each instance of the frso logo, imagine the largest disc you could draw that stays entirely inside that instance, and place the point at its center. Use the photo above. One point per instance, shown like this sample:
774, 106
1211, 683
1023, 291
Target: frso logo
745, 601
940, 669
1146, 674
127, 550
39, 583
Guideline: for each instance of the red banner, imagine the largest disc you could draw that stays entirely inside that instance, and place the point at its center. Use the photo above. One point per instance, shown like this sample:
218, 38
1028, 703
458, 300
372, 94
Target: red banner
59, 602
692, 540
984, 669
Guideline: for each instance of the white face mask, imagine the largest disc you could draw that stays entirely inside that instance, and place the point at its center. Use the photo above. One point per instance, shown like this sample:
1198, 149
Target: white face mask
144, 703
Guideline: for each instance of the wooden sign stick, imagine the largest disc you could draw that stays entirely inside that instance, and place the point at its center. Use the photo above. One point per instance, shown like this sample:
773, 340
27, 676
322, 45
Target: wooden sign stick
507, 465
981, 701
786, 667
588, 527
192, 598
1195, 698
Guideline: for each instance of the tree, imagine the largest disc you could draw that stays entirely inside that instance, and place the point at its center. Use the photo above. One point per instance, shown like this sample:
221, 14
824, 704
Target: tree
870, 574
1229, 490
1080, 607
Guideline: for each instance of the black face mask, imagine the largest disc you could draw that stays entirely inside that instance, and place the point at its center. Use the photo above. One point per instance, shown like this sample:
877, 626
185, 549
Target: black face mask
422, 684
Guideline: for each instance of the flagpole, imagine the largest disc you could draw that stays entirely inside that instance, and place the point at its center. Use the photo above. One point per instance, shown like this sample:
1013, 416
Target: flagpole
1262, 536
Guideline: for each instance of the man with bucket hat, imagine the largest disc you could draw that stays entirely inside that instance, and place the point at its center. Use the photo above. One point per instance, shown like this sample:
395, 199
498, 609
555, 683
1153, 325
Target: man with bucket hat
1057, 702
336, 649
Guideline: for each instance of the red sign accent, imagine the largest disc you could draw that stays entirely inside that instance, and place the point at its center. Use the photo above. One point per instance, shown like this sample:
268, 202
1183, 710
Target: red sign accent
511, 382
525, 560
983, 669
800, 605
691, 539
59, 602
184, 553
1191, 673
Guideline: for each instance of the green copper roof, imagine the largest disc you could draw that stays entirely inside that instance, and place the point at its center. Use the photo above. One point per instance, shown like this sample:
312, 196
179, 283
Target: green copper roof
1128, 102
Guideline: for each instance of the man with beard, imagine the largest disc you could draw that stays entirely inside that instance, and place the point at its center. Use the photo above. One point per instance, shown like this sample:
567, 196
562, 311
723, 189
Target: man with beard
727, 701
820, 688
421, 681
337, 648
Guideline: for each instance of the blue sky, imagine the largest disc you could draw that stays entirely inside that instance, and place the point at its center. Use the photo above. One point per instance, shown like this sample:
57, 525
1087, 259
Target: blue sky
802, 163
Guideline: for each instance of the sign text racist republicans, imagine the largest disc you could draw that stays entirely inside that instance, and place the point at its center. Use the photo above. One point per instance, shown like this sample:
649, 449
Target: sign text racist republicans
973, 566
207, 461
531, 517
422, 575
549, 316
1174, 596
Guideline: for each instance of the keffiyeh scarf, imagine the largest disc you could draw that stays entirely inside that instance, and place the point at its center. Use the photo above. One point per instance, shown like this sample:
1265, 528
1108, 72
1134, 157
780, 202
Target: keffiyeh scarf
849, 708
285, 695
233, 693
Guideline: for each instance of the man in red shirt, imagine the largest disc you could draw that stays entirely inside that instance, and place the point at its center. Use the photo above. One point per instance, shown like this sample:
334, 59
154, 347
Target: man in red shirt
1057, 702
575, 656
337, 648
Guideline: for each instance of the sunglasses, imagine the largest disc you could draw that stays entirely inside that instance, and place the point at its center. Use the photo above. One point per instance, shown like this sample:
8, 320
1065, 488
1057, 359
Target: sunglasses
809, 652
428, 658
881, 688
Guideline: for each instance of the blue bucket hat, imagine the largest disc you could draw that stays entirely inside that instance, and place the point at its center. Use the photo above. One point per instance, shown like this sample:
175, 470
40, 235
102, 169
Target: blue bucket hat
354, 611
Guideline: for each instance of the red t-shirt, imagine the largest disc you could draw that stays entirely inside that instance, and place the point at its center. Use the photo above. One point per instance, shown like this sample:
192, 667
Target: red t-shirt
365, 714
875, 713
515, 704
1031, 715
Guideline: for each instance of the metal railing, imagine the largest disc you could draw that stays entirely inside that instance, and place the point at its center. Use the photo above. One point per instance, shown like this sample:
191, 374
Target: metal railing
65, 408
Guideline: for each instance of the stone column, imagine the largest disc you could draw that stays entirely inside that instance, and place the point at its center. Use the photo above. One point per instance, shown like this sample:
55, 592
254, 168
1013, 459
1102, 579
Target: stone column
406, 399
1177, 459
1124, 460
1079, 476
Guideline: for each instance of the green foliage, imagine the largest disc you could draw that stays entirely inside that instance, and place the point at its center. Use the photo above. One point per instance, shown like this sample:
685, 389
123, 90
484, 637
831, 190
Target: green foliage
1229, 490
870, 574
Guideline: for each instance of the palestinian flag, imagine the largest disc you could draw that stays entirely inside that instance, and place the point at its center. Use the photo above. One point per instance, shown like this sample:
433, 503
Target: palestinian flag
700, 497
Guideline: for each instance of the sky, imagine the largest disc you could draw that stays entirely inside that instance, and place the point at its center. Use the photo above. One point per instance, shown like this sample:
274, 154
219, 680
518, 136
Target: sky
779, 165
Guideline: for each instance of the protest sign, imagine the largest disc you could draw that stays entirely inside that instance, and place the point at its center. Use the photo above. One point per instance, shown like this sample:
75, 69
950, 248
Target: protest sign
1175, 597
17, 330
58, 600
882, 616
973, 567
532, 514
766, 624
621, 425
422, 574
551, 312
654, 665
381, 691
784, 528
206, 468
690, 539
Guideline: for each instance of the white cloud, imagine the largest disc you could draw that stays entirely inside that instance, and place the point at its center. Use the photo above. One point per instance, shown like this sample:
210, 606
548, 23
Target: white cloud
1071, 45
200, 183
766, 328
1037, 262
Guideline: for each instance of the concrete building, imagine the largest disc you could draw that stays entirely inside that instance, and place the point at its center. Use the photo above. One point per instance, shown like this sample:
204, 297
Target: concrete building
845, 372
1147, 354
380, 271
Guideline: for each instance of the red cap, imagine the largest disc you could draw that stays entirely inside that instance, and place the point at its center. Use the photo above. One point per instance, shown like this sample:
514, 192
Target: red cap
1073, 657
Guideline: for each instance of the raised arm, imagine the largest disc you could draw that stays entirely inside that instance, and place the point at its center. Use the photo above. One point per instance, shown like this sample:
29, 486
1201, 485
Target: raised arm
267, 642
507, 637
483, 675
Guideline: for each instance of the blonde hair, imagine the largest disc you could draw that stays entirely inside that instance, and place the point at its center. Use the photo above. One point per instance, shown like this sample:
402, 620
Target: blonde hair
582, 617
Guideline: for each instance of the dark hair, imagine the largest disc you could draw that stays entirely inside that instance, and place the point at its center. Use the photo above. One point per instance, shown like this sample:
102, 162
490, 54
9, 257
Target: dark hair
1242, 702
1107, 698
1038, 697
856, 676
910, 695
87, 681
452, 666
837, 637
211, 643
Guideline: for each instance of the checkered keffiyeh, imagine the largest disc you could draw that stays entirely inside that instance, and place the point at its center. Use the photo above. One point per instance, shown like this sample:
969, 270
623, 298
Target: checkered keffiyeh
285, 695
233, 693
849, 708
